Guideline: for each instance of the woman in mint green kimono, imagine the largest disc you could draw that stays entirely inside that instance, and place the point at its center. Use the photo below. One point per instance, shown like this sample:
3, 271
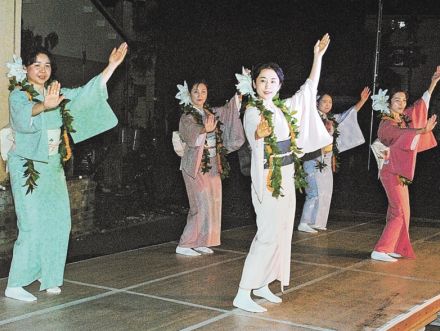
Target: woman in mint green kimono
43, 213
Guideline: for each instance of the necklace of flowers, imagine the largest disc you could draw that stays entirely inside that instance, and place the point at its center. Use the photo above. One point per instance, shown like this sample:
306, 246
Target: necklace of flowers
222, 163
335, 157
31, 174
271, 150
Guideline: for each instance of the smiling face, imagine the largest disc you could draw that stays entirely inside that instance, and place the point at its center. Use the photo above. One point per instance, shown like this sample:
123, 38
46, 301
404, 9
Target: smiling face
199, 94
398, 102
267, 84
325, 103
39, 72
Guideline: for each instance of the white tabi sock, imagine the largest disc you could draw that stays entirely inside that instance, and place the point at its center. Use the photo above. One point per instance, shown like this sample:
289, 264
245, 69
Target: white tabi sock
19, 293
186, 251
381, 256
204, 250
395, 255
265, 292
304, 227
53, 290
244, 301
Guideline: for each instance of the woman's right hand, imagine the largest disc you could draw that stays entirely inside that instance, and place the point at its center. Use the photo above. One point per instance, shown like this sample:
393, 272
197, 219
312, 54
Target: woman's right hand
432, 122
263, 129
210, 123
52, 97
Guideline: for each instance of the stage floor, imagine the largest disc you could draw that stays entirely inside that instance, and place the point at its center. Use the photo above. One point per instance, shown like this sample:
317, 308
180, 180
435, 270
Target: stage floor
334, 286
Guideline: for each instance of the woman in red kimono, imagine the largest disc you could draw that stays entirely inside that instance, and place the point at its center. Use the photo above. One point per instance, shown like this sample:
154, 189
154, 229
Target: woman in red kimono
406, 132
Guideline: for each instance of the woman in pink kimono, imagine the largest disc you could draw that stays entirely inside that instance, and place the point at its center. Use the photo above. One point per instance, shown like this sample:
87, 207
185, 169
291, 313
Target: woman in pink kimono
406, 132
209, 134
277, 131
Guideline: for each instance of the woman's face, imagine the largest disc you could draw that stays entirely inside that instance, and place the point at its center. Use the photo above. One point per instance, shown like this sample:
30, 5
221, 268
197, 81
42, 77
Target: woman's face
398, 102
39, 72
199, 94
267, 84
325, 104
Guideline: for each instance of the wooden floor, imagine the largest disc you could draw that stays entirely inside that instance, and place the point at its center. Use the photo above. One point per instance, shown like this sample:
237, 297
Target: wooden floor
334, 286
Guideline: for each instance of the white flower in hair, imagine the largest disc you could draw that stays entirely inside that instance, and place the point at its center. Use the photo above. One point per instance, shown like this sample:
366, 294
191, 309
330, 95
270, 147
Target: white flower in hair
16, 69
380, 102
245, 83
183, 94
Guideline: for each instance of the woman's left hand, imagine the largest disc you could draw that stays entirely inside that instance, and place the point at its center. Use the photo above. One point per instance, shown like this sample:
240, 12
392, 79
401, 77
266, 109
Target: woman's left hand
118, 55
365, 94
436, 75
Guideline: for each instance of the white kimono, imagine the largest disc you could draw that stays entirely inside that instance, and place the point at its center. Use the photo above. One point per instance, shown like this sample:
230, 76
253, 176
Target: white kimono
320, 189
269, 255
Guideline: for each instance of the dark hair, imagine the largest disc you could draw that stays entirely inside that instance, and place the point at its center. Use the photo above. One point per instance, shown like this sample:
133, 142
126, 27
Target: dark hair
320, 95
30, 57
395, 90
271, 65
197, 82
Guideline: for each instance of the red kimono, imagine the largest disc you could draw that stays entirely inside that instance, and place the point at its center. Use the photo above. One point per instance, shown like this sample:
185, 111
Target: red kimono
404, 144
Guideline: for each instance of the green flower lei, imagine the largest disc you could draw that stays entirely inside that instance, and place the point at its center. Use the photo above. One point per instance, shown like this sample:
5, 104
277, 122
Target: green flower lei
274, 179
336, 158
30, 173
222, 162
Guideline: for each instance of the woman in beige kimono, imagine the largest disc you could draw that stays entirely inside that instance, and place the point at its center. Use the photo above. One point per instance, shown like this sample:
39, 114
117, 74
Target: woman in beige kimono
209, 134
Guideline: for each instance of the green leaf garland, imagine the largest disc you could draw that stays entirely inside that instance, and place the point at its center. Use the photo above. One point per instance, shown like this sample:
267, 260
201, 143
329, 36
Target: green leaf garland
30, 173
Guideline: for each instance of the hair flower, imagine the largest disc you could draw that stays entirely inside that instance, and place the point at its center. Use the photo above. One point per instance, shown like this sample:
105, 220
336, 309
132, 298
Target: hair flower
16, 69
380, 102
244, 85
183, 94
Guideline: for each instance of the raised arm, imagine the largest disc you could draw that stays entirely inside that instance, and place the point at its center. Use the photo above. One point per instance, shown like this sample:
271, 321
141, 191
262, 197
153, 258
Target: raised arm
435, 78
318, 52
364, 97
115, 59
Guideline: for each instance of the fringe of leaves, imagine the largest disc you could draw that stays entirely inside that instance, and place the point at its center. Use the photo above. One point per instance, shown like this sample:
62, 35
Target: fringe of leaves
222, 163
274, 177
64, 149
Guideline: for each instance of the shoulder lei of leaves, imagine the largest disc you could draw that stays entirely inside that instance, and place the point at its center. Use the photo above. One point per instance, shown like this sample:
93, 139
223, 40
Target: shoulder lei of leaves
222, 163
30, 173
402, 122
274, 177
335, 158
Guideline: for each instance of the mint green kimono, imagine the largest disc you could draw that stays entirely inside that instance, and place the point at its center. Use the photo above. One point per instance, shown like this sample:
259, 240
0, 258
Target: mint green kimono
43, 216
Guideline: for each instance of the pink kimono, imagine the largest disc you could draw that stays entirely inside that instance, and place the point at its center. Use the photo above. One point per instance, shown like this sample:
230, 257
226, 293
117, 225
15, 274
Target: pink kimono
205, 190
404, 144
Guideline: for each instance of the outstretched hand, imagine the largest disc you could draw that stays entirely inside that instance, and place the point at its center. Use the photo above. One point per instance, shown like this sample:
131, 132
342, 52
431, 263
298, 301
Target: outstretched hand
117, 55
432, 122
321, 45
210, 123
52, 97
436, 75
263, 129
365, 93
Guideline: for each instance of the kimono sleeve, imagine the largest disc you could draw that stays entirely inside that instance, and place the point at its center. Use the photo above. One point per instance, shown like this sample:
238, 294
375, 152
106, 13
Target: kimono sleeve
312, 133
20, 109
91, 113
418, 113
350, 134
189, 130
229, 115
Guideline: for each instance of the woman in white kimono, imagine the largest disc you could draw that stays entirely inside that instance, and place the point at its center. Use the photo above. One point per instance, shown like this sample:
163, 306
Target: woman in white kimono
320, 164
209, 134
276, 131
